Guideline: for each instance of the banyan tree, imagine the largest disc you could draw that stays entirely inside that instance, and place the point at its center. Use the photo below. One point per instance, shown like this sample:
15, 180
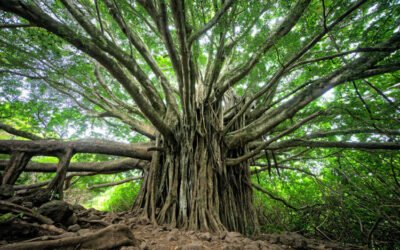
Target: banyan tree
215, 87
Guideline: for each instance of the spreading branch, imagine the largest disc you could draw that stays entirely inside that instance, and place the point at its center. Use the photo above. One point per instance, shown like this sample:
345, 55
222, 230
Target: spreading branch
290, 21
354, 69
54, 147
272, 84
11, 130
35, 15
351, 131
213, 21
110, 184
15, 25
277, 198
339, 144
264, 144
86, 167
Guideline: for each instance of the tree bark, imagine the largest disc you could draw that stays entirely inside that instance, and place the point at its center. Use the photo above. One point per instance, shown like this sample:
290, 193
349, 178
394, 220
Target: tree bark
198, 178
110, 237
17, 132
56, 185
190, 186
55, 147
95, 167
15, 167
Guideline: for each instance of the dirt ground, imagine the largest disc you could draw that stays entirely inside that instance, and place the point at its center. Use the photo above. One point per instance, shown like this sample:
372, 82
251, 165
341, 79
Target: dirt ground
158, 237
59, 225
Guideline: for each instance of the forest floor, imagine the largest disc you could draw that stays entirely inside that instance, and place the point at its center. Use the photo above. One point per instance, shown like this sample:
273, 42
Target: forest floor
75, 227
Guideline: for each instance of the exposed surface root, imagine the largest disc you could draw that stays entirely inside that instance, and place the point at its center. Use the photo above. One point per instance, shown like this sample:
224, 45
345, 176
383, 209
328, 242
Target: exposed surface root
92, 229
8, 206
107, 238
189, 185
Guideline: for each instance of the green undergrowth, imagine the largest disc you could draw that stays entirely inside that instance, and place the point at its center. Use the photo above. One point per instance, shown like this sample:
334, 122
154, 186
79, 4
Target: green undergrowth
117, 198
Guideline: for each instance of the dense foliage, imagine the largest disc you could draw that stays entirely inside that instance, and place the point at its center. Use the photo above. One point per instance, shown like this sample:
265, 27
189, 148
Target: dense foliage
118, 198
352, 197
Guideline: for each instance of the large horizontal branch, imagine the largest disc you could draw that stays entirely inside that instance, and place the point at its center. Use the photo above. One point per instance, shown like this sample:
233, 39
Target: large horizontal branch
15, 25
67, 182
341, 54
69, 176
338, 144
94, 167
376, 70
18, 132
264, 144
380, 69
54, 147
351, 132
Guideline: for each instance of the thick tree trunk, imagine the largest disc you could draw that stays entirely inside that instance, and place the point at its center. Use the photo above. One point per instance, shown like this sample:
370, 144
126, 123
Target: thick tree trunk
190, 186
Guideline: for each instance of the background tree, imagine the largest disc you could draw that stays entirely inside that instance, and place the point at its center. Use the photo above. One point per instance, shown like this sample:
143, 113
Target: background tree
213, 88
